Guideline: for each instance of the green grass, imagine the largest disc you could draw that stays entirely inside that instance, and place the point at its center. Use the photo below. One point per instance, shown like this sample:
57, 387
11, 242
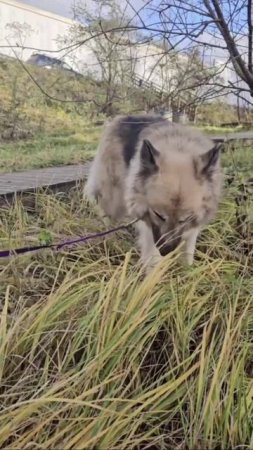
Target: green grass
49, 150
93, 356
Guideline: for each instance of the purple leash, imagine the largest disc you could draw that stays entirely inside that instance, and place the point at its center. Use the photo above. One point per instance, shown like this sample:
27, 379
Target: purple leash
23, 250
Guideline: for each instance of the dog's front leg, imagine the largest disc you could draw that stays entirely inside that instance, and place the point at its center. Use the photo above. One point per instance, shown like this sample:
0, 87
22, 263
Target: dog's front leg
150, 255
189, 237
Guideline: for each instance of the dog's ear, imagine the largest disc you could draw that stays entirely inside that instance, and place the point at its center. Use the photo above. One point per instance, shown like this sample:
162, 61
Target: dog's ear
149, 156
209, 161
211, 158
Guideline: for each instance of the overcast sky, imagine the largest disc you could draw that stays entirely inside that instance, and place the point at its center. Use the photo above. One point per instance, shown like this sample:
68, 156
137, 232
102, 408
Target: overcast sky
61, 7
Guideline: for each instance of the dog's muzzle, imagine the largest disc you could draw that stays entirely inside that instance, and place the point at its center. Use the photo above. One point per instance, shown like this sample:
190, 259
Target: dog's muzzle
165, 243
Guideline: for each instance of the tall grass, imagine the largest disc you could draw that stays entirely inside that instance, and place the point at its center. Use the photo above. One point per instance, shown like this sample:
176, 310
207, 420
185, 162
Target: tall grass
93, 356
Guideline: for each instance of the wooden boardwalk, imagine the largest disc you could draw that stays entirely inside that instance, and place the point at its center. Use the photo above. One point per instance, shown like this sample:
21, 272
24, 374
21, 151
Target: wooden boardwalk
240, 136
65, 176
32, 180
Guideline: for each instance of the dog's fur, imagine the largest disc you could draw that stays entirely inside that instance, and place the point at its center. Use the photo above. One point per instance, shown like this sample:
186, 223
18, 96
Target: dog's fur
165, 174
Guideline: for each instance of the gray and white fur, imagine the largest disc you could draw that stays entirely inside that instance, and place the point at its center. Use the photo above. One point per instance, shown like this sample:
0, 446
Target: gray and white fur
165, 174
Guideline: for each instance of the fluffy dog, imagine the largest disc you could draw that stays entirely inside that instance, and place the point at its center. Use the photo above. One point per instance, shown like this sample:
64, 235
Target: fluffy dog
165, 174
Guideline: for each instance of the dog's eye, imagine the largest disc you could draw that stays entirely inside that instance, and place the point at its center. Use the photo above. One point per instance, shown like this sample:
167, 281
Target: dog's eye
159, 216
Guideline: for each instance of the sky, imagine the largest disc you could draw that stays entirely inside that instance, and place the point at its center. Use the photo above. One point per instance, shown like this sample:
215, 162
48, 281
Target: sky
61, 7
64, 7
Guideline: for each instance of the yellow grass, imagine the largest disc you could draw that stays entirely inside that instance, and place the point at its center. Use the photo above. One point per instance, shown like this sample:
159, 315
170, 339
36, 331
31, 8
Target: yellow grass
93, 356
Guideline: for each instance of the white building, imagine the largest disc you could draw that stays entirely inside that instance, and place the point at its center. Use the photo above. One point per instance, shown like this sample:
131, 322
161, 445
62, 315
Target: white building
26, 30
229, 79
35, 30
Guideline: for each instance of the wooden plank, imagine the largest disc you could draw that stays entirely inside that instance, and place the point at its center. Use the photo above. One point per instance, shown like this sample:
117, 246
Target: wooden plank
32, 180
233, 137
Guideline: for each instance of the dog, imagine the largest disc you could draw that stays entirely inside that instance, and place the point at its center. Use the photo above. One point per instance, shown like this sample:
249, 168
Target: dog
164, 174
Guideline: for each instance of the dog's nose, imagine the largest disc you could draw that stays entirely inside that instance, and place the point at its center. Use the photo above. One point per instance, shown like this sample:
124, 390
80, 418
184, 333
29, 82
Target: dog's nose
167, 243
166, 246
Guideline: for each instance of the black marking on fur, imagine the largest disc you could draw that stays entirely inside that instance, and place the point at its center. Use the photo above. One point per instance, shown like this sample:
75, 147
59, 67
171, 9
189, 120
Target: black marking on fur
129, 130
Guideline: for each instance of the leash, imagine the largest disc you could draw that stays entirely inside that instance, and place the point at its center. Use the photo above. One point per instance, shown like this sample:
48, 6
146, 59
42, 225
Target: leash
23, 250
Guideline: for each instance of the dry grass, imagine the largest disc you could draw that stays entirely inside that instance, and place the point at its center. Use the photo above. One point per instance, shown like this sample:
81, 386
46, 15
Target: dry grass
94, 357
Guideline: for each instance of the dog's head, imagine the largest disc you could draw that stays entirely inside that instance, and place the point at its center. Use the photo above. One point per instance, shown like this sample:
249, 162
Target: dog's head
174, 191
